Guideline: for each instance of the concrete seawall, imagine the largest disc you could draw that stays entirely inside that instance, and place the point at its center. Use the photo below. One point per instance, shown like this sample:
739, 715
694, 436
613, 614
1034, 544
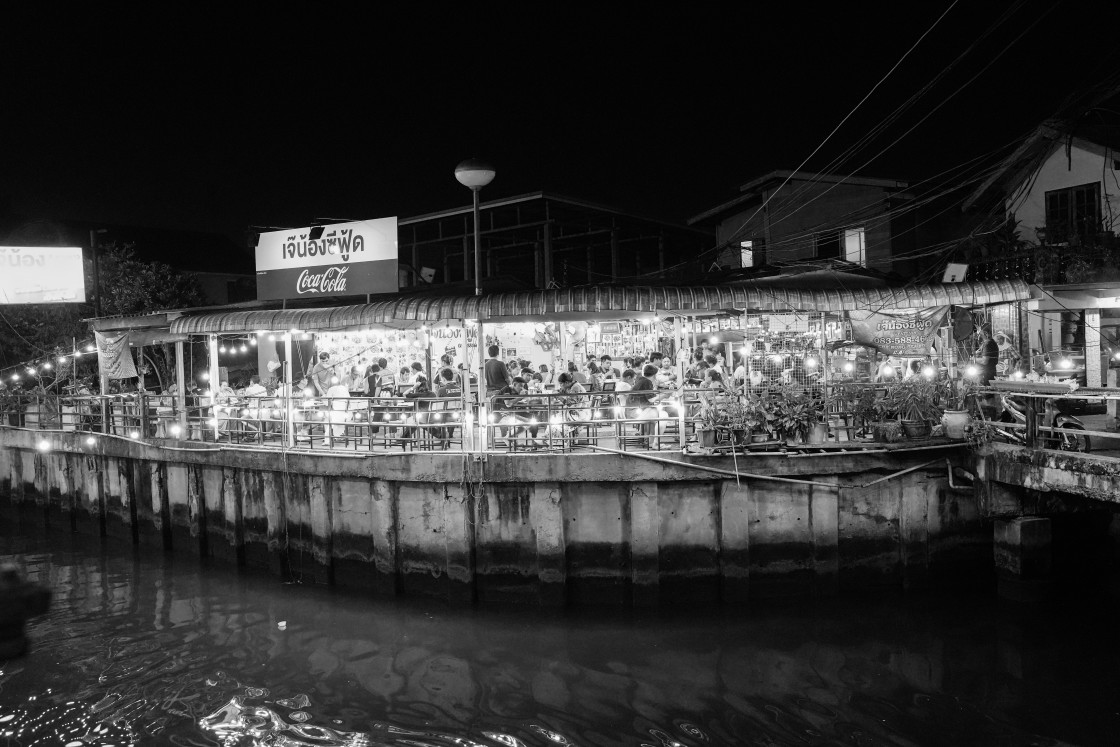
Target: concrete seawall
540, 529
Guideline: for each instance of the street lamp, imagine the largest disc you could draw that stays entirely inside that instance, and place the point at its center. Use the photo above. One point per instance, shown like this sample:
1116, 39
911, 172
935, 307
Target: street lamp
475, 174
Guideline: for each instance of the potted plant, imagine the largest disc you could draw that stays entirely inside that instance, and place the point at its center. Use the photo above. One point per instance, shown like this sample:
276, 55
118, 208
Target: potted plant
710, 418
749, 417
796, 412
955, 416
916, 402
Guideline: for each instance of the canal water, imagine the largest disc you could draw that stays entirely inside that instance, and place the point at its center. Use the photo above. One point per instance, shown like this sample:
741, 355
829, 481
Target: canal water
148, 649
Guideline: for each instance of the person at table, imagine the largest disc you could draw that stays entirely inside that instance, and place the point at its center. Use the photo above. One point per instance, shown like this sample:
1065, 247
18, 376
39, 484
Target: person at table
445, 362
576, 375
574, 400
496, 372
321, 374
422, 393
404, 381
448, 389
666, 378
545, 374
355, 382
606, 365
417, 369
594, 381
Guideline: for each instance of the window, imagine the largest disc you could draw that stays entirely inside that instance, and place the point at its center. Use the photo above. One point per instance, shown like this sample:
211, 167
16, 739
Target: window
752, 253
828, 244
854, 246
1073, 212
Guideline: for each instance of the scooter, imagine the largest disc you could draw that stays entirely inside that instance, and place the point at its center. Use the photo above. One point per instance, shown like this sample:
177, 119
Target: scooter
1067, 440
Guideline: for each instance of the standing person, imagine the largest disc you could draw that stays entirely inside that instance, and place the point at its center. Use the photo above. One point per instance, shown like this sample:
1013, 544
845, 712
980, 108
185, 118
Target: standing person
448, 389
373, 380
339, 396
321, 374
1008, 356
497, 374
986, 355
387, 377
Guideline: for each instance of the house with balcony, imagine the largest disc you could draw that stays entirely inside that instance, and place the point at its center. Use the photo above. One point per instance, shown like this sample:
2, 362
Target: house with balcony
1058, 194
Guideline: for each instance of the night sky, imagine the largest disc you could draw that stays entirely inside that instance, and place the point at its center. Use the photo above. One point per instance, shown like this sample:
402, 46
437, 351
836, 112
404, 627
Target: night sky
240, 119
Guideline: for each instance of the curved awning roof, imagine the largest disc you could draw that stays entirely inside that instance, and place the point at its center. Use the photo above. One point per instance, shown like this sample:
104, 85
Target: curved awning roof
602, 302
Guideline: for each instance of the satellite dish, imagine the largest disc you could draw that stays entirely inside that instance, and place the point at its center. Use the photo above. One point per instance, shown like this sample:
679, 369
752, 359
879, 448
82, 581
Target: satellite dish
963, 323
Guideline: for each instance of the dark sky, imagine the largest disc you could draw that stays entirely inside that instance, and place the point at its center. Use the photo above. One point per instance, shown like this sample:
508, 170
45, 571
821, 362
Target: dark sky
239, 119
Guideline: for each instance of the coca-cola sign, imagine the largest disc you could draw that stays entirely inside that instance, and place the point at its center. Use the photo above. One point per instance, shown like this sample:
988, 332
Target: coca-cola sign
331, 280
344, 259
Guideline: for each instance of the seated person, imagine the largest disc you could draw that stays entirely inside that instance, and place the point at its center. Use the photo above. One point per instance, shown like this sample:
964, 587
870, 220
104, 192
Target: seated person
574, 401
422, 393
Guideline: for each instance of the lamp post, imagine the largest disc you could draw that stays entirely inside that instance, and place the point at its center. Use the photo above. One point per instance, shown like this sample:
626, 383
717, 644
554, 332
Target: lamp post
475, 174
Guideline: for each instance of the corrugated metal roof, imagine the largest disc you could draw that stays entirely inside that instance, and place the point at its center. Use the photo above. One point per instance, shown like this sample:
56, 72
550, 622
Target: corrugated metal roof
599, 300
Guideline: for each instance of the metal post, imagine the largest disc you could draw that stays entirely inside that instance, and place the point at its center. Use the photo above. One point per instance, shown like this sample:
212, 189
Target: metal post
96, 273
289, 378
481, 387
477, 249
215, 382
181, 389
1032, 424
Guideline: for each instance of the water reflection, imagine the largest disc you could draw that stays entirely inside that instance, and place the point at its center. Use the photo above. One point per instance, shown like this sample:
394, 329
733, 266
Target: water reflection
155, 650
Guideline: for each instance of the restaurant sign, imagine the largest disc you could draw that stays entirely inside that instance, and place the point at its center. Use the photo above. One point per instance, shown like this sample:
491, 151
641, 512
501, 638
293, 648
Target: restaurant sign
347, 259
42, 274
898, 332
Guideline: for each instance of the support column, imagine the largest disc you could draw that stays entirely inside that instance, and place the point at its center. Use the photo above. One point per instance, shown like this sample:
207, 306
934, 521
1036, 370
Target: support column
1023, 557
614, 255
1093, 375
181, 389
290, 400
215, 383
547, 254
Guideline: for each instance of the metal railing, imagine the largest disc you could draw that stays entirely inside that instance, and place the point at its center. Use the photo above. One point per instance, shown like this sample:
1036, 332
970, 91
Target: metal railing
548, 421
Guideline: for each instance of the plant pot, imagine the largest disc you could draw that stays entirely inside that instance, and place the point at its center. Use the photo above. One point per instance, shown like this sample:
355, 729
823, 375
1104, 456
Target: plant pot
706, 437
955, 422
760, 437
888, 431
793, 439
739, 436
818, 434
916, 428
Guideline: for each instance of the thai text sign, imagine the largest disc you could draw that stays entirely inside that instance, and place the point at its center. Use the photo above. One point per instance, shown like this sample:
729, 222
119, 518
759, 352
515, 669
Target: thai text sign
42, 274
898, 332
348, 259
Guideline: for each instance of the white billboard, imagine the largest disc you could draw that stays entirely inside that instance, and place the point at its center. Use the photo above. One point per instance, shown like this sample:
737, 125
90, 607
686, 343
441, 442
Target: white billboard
42, 274
346, 259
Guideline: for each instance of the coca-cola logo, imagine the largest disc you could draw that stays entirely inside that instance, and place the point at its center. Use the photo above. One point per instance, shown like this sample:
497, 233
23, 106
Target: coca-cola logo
331, 280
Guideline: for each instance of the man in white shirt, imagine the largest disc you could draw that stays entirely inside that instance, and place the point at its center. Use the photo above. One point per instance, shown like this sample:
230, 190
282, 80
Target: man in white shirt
338, 395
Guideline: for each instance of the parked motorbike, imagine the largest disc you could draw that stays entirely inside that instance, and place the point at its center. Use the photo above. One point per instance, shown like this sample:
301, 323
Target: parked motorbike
1067, 439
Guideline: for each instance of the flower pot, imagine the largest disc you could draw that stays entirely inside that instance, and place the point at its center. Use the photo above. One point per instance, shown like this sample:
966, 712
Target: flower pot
738, 436
706, 437
916, 428
760, 437
818, 434
955, 422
